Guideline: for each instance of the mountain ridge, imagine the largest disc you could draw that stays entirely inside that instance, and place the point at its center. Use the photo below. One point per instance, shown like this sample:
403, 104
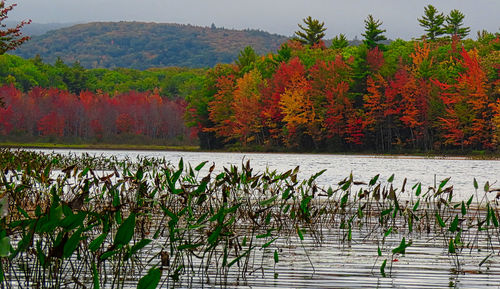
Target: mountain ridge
143, 45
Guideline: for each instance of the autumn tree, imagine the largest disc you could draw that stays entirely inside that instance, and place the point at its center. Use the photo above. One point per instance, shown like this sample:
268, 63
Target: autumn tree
220, 108
297, 108
468, 120
312, 33
373, 34
330, 83
246, 107
375, 59
10, 38
455, 25
432, 22
271, 112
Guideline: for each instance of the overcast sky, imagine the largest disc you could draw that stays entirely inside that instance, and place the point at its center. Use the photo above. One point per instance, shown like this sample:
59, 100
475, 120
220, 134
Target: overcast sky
276, 16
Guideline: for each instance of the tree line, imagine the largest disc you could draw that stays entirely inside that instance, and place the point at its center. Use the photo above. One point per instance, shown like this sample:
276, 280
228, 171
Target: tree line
25, 74
433, 93
57, 115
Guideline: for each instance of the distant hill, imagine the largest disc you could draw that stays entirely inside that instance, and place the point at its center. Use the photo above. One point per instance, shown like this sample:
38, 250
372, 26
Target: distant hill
144, 45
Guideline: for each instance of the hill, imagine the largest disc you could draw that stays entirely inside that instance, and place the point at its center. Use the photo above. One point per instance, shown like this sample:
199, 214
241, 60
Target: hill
142, 45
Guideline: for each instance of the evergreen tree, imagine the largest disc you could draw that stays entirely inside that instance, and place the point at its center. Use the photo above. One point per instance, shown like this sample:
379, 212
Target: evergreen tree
432, 21
455, 24
373, 33
339, 42
312, 33
246, 57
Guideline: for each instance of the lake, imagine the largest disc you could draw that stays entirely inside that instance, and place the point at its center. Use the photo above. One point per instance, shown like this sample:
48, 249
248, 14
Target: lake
329, 259
428, 171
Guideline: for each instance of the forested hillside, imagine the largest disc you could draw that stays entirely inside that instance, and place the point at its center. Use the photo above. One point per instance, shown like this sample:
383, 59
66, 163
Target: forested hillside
144, 45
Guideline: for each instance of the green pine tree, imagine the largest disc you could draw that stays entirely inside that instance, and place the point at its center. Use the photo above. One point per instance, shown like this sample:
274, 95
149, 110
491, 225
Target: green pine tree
373, 34
432, 21
455, 24
312, 33
339, 42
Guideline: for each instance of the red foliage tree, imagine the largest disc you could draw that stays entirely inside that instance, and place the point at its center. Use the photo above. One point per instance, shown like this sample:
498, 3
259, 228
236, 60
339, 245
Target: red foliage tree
51, 125
468, 119
220, 108
10, 38
271, 112
375, 59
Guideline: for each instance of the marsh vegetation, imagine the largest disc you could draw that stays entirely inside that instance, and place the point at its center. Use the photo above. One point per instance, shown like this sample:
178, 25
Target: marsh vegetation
102, 222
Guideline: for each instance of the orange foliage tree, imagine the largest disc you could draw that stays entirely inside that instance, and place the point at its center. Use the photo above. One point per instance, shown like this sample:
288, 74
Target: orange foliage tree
247, 123
468, 119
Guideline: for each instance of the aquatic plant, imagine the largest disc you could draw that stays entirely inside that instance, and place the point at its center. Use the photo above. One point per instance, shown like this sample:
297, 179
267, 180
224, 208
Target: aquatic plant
111, 223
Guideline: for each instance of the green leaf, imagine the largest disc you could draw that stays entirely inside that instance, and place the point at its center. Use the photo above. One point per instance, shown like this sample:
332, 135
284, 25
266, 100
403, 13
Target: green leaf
440, 220
276, 256
373, 181
140, 173
268, 201
346, 185
463, 209
388, 232
200, 166
125, 231
239, 258
1, 273
454, 225
494, 218
299, 232
469, 201
136, 248
476, 186
451, 247
97, 242
386, 211
215, 235
401, 249
5, 246
95, 276
419, 189
379, 251
314, 177
73, 220
382, 267
443, 183
487, 187
72, 244
269, 243
391, 178
108, 254
150, 280
343, 200
415, 207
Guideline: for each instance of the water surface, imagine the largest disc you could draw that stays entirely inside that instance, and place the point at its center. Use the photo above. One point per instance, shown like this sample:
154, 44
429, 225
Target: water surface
428, 171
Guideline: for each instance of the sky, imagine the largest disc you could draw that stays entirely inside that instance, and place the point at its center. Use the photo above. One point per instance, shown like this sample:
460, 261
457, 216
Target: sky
399, 17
